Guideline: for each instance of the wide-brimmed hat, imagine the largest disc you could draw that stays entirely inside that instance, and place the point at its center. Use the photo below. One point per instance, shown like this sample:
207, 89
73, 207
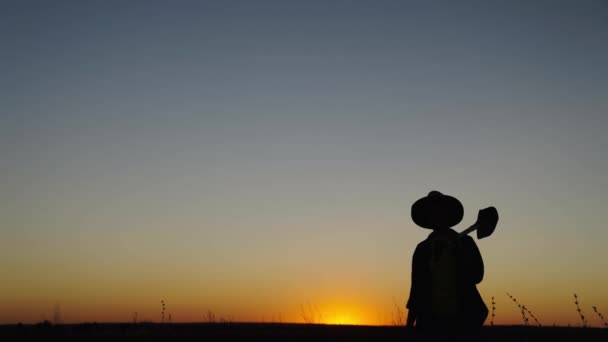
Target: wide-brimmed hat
437, 210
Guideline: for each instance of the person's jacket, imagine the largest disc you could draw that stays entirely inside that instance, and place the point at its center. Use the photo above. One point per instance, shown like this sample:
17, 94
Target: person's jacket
470, 270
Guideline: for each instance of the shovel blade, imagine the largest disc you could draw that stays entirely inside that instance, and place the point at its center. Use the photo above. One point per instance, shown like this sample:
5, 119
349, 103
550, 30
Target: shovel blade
487, 219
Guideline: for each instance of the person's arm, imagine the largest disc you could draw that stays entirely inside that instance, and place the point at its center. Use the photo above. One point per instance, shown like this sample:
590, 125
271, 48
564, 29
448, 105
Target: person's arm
411, 318
473, 262
412, 301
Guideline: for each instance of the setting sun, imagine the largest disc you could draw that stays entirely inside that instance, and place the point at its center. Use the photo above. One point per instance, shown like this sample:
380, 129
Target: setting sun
345, 318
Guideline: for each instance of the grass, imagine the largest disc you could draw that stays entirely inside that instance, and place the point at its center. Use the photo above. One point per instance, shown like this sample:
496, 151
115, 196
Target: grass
311, 314
525, 312
398, 315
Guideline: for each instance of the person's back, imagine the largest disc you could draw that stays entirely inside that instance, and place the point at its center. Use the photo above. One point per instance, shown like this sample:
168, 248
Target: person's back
445, 270
443, 267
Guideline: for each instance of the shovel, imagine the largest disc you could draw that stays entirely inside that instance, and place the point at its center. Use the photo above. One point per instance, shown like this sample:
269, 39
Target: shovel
485, 224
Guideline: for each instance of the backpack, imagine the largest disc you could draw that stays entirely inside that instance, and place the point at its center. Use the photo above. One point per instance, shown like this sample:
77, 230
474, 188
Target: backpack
445, 301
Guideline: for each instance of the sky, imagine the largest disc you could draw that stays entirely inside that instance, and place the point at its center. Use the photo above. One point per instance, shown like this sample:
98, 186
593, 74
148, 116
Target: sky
258, 160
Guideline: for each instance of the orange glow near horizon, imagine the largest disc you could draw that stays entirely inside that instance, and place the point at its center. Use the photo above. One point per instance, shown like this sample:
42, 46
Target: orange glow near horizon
329, 312
328, 317
340, 313
273, 290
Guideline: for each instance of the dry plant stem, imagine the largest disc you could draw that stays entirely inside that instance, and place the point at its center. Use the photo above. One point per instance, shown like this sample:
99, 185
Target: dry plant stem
532, 315
310, 314
599, 314
493, 311
580, 312
162, 313
524, 310
398, 314
210, 318
521, 308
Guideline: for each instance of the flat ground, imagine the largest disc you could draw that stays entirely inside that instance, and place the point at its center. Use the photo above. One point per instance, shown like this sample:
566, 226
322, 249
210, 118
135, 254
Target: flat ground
282, 332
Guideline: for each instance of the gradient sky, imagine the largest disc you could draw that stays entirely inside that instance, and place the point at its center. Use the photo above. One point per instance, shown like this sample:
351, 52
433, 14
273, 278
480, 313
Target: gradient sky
250, 158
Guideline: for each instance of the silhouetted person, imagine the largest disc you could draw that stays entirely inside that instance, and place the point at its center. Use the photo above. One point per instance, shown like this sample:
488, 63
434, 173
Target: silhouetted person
444, 301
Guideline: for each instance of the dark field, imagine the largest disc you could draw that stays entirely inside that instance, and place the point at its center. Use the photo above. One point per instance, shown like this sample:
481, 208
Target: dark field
282, 332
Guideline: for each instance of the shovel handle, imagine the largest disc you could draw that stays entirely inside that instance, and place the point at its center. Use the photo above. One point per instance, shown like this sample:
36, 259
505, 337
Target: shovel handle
468, 230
